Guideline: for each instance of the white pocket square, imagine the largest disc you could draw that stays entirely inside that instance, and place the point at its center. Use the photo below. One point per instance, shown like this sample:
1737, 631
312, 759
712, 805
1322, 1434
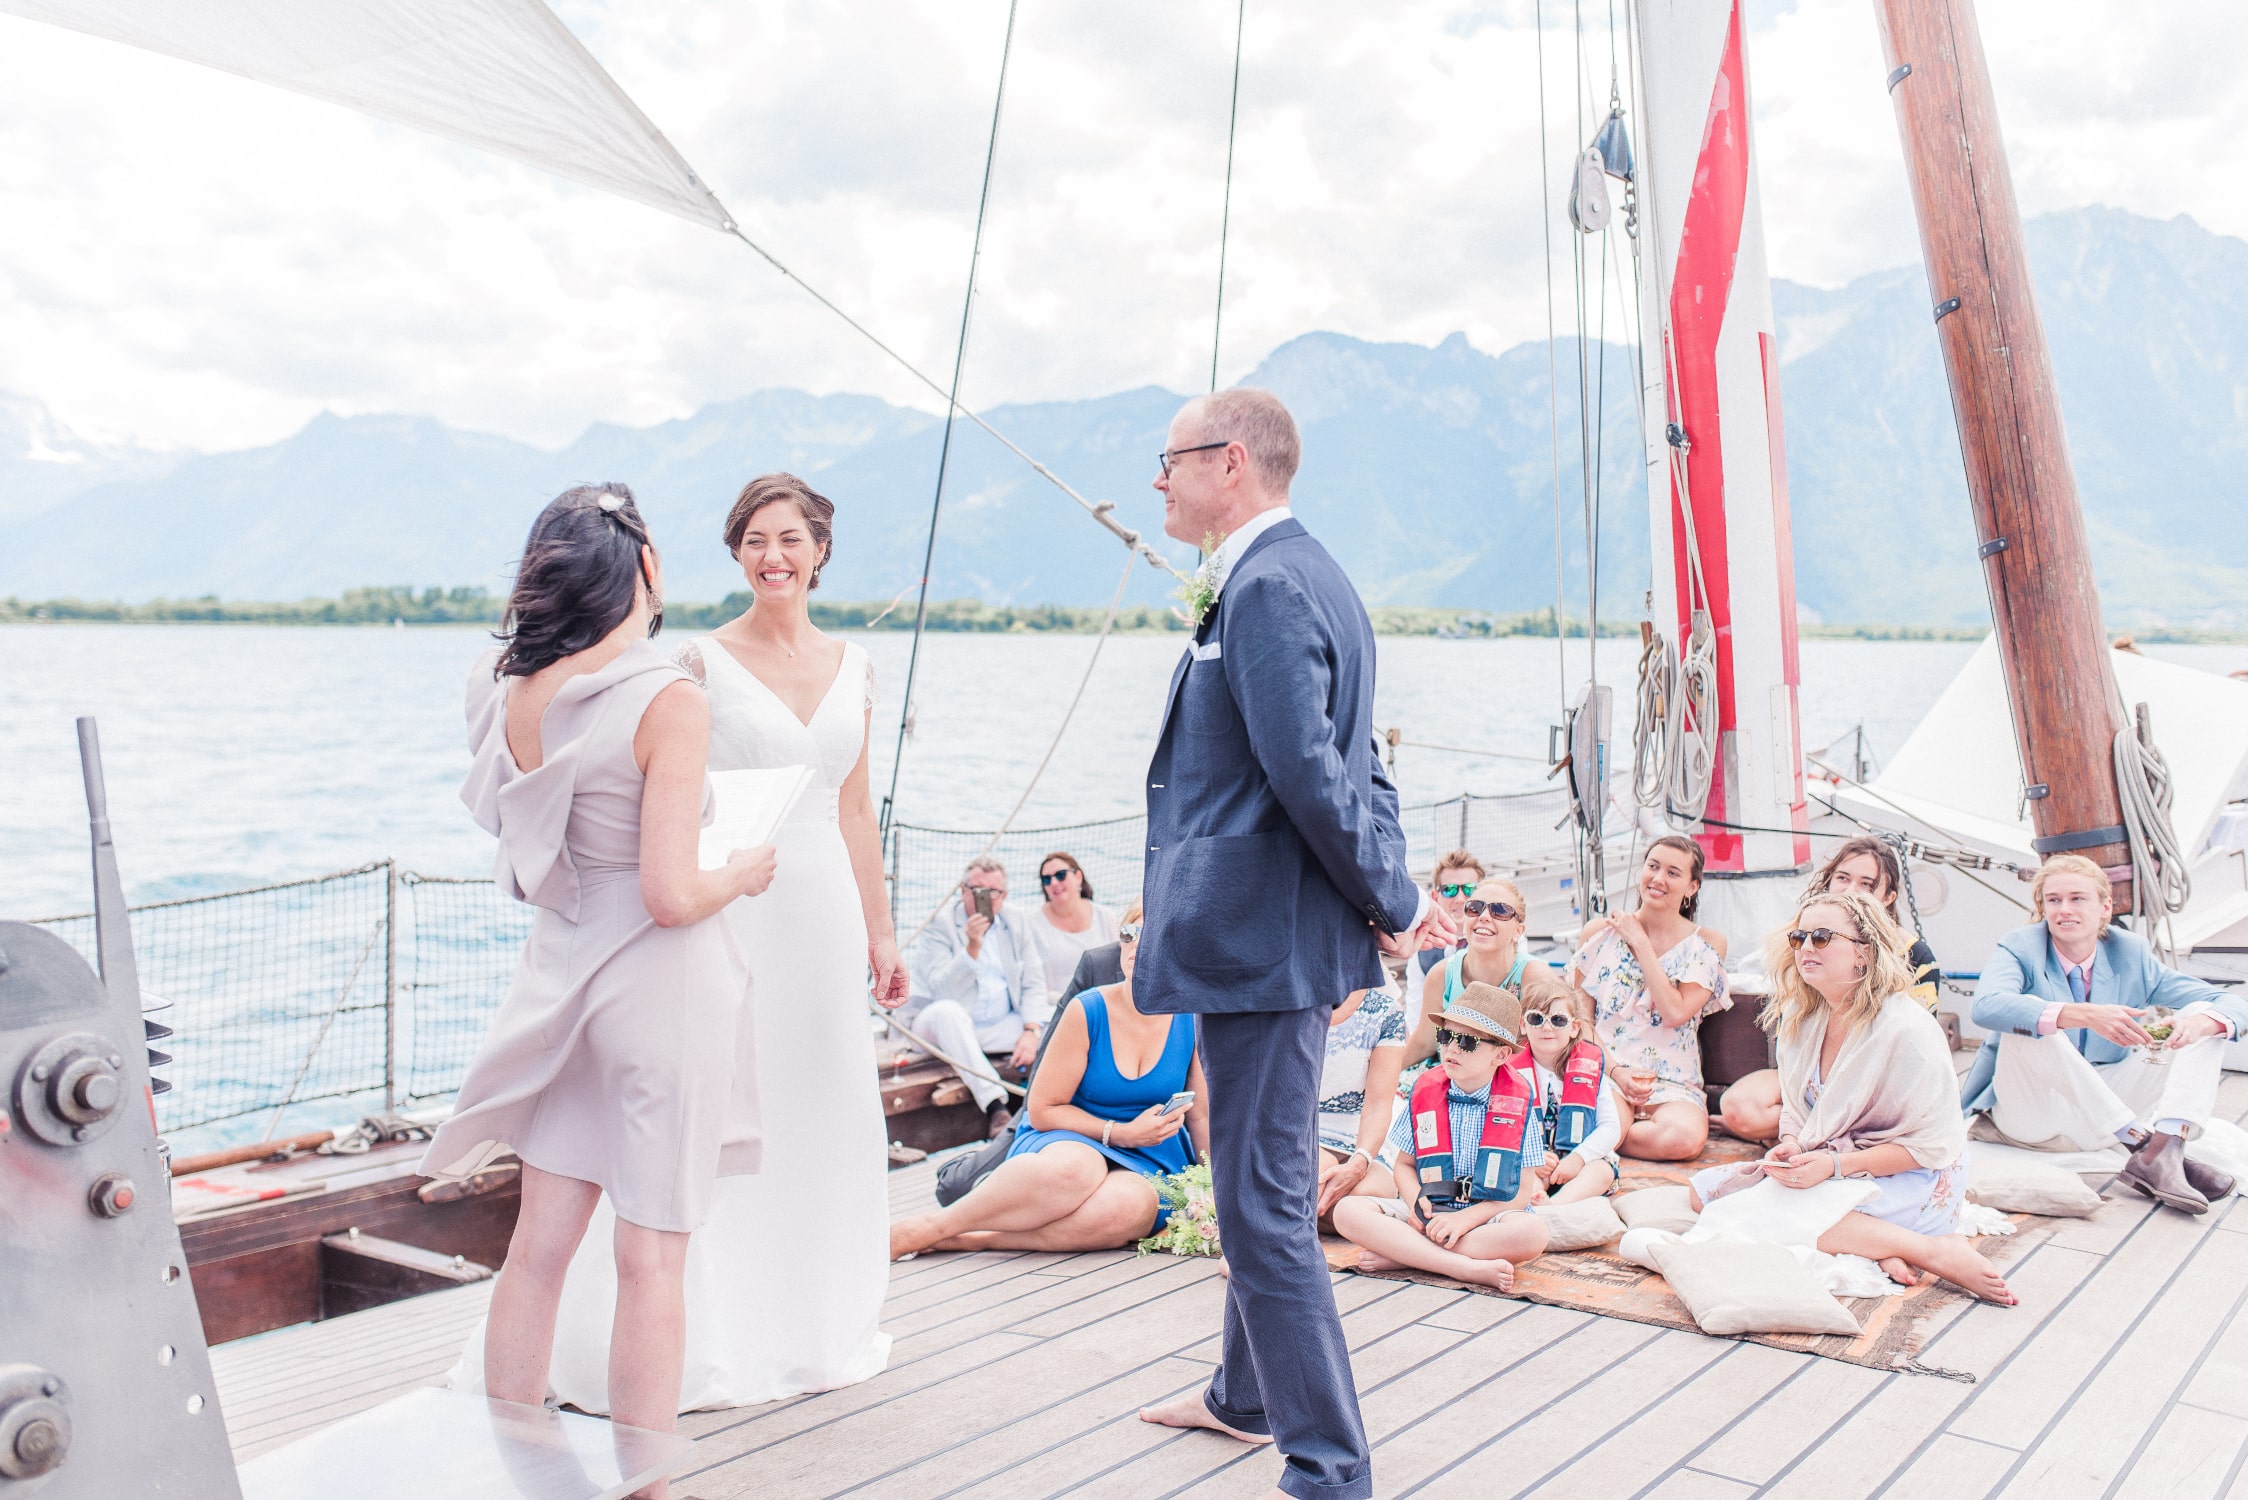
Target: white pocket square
1209, 651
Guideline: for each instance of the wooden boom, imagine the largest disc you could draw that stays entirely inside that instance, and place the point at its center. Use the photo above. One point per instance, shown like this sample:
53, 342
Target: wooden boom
2031, 532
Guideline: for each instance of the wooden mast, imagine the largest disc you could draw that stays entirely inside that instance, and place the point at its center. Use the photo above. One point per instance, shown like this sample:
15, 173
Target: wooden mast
2052, 645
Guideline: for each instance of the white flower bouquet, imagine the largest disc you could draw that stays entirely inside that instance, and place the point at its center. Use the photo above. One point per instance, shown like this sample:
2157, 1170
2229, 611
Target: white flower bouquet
1192, 1228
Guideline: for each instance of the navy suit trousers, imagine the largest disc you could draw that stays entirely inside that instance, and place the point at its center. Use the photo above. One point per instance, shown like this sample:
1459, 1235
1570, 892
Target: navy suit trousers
1283, 1368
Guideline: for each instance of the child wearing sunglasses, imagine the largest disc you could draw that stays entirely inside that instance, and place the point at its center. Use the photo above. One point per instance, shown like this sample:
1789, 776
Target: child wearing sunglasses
1468, 1149
1577, 1114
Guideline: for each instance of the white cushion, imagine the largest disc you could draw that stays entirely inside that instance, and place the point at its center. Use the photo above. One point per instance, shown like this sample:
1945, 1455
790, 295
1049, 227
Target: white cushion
2030, 1187
1580, 1225
1656, 1208
1732, 1288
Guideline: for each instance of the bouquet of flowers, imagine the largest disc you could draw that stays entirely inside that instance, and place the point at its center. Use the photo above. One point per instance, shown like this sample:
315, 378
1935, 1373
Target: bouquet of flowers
1192, 1228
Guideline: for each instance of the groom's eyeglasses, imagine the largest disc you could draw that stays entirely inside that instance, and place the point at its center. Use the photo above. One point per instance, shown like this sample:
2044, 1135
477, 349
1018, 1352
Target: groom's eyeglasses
1164, 458
1819, 937
1497, 909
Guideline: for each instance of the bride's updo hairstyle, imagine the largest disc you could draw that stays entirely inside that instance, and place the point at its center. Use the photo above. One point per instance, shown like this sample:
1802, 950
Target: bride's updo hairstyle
769, 489
580, 572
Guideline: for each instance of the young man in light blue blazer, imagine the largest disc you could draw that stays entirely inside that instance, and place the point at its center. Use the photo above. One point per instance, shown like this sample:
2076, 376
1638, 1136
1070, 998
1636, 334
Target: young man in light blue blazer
2070, 1064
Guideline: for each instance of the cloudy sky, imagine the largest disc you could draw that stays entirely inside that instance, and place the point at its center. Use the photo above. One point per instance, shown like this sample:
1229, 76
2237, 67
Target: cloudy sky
192, 259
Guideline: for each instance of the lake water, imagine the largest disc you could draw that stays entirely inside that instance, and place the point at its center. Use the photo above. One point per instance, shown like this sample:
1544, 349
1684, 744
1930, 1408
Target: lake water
240, 755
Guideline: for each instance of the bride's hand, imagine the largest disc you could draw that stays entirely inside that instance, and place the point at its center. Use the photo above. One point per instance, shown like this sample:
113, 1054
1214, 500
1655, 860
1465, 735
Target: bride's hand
889, 973
751, 869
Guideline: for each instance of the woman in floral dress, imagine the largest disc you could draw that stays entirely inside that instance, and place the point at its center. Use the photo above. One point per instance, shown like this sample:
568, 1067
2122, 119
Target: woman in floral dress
1652, 975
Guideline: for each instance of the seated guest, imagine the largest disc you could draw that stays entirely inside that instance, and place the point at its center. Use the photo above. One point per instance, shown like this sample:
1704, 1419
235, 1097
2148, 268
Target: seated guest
1652, 975
2070, 1063
1751, 1107
1576, 1109
979, 987
1865, 1091
1492, 921
1468, 1149
1358, 1094
1067, 922
1457, 875
1080, 1175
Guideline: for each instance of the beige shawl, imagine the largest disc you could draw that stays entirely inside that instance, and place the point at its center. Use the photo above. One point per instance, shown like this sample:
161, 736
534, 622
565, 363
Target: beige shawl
1892, 1084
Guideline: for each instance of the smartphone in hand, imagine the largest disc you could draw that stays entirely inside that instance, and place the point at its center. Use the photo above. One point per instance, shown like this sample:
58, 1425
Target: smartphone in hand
1184, 1099
982, 900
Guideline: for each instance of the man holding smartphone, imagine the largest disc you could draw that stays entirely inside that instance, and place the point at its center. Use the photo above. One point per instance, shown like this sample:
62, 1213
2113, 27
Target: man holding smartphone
979, 987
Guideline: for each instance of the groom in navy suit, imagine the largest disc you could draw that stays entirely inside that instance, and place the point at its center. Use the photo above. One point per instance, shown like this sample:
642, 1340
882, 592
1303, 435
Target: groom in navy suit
1275, 873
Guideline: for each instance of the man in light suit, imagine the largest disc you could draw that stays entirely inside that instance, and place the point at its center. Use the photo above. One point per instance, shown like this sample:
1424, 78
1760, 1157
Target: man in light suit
1275, 874
2068, 1066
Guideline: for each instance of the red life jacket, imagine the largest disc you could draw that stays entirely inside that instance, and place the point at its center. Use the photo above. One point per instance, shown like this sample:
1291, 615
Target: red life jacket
1498, 1159
1581, 1072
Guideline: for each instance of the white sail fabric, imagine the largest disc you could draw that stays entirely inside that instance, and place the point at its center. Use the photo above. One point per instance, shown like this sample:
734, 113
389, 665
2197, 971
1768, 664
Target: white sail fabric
505, 75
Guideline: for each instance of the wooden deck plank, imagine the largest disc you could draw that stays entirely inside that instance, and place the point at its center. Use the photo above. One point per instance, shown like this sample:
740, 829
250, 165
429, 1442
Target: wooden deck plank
1755, 1444
1852, 1450
2020, 1400
1950, 1467
2096, 1436
980, 1405
1626, 1388
1693, 1484
1636, 1452
2193, 1454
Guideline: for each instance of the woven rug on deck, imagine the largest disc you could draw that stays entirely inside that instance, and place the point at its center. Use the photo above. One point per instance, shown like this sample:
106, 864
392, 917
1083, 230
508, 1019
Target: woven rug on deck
1891, 1330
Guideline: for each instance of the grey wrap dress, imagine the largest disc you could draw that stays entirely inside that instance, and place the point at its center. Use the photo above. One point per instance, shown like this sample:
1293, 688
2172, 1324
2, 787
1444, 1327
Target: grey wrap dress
613, 1058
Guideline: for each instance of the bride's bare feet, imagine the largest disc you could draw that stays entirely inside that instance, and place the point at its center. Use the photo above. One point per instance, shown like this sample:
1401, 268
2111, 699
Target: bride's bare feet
1954, 1258
1190, 1410
1899, 1272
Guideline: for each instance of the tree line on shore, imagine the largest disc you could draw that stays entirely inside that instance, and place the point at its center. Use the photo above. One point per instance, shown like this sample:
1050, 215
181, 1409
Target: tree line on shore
479, 606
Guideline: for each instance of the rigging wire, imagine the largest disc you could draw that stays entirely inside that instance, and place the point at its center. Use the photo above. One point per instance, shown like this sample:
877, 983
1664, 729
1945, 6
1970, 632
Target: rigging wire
952, 407
1225, 215
1553, 377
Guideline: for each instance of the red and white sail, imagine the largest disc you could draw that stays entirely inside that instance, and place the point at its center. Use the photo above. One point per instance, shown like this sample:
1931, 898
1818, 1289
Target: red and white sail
1710, 371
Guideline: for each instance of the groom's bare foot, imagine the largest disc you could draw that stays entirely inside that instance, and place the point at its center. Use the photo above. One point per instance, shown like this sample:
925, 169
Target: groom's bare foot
1190, 1410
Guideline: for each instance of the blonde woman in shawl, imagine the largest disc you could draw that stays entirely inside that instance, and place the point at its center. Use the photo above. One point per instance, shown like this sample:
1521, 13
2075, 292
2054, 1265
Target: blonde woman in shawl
1866, 1091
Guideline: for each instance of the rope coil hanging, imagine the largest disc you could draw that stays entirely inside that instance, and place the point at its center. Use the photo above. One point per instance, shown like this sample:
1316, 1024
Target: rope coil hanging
2161, 878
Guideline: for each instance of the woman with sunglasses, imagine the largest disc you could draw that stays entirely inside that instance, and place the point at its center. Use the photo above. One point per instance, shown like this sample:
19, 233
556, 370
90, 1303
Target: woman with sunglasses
1067, 922
1116, 1103
1866, 1091
1493, 922
1751, 1107
1652, 975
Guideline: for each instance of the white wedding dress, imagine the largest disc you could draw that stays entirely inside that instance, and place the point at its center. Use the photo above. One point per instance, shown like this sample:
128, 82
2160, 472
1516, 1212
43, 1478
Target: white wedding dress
785, 1279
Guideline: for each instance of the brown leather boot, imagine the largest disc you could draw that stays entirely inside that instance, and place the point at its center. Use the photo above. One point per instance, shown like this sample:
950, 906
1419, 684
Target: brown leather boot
2157, 1168
2209, 1182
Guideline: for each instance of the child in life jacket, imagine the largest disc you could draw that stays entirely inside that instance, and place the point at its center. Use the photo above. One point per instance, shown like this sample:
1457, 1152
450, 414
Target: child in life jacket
1578, 1114
1468, 1148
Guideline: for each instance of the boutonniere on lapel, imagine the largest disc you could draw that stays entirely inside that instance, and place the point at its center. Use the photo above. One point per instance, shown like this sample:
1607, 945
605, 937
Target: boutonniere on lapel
1198, 593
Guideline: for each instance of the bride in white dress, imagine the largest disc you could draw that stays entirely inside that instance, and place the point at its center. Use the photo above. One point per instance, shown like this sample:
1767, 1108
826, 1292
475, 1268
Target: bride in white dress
785, 1279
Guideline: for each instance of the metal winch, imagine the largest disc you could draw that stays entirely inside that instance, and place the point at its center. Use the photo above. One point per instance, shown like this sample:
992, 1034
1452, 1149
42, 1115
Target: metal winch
105, 1381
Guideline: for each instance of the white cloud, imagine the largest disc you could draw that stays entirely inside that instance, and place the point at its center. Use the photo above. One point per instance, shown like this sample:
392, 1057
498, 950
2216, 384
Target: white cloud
198, 260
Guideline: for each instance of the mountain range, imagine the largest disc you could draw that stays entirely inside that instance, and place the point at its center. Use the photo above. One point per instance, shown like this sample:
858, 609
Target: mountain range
1428, 471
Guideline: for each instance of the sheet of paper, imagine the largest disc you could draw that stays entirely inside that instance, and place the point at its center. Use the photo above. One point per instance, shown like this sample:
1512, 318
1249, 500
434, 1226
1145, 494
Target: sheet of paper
751, 805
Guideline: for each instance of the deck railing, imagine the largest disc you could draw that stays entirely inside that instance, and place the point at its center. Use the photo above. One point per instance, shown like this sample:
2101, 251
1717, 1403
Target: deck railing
311, 1001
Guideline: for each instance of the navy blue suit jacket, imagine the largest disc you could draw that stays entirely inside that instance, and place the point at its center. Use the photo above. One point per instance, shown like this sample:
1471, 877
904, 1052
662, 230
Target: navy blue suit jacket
1273, 836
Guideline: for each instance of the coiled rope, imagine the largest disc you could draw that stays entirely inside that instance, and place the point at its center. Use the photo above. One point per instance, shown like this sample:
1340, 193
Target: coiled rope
2161, 881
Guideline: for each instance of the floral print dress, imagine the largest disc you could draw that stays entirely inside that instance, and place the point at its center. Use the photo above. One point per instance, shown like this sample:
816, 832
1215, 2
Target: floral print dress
1631, 1031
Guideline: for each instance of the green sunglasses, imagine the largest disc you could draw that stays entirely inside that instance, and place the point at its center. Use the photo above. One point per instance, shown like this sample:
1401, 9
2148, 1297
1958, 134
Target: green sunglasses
1450, 891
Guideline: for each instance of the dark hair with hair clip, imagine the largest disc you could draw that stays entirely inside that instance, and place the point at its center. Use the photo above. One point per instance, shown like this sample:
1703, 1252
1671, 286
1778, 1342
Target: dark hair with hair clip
580, 573
1693, 853
769, 489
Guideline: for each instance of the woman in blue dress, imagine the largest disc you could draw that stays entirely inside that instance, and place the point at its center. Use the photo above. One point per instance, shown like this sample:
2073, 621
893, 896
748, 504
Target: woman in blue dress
1081, 1174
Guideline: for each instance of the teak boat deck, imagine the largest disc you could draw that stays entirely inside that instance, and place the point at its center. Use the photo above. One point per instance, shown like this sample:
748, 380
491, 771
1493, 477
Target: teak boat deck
2123, 1372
